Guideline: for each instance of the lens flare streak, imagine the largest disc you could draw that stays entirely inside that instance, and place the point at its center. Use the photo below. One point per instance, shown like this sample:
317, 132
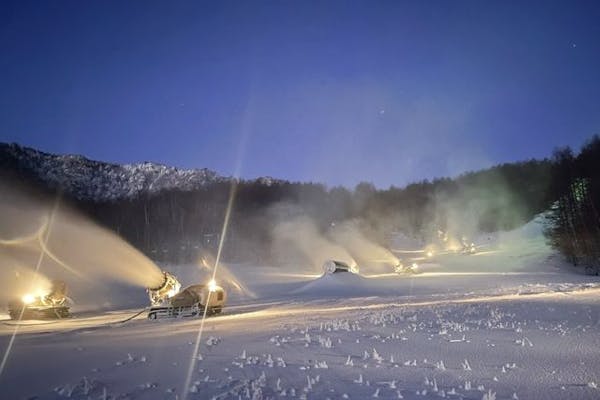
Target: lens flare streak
192, 366
42, 238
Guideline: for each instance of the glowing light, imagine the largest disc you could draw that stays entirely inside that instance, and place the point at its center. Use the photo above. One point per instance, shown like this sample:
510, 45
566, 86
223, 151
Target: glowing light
407, 251
382, 275
399, 268
212, 285
415, 266
483, 253
430, 254
28, 298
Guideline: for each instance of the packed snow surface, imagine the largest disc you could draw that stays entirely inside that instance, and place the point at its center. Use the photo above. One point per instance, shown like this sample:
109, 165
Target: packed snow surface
509, 322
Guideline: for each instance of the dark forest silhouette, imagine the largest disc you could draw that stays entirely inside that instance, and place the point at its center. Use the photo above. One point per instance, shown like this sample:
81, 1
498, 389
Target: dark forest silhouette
177, 225
574, 220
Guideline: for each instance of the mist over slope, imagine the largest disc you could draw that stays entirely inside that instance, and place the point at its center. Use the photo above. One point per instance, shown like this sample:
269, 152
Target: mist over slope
174, 215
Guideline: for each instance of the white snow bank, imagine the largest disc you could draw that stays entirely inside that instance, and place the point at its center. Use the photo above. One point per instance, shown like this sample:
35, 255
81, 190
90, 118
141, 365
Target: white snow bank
344, 284
533, 230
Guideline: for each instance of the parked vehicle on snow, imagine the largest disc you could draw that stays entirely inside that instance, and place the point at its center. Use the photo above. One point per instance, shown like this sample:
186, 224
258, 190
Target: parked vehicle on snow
52, 305
192, 301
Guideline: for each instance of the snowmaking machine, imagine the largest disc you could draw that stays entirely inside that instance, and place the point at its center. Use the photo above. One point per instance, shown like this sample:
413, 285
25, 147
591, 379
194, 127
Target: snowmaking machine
191, 301
467, 247
406, 268
42, 306
162, 293
335, 266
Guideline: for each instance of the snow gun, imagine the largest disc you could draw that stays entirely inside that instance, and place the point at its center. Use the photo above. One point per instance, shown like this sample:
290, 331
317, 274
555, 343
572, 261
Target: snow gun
169, 287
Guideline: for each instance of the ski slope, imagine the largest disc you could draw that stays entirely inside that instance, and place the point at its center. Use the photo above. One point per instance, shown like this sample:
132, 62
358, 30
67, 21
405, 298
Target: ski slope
510, 322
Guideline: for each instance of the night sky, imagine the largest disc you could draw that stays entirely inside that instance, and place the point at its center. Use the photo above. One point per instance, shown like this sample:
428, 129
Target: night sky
334, 92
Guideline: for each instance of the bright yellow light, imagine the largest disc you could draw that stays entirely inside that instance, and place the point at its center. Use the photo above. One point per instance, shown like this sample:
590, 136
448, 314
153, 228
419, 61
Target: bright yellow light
430, 254
415, 266
28, 298
212, 285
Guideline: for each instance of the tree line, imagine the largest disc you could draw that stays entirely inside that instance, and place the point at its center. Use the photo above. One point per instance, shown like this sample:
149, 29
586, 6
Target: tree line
574, 219
178, 225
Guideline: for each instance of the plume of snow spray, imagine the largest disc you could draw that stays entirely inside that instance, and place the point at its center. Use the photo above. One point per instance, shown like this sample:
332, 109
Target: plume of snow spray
300, 234
366, 252
75, 248
43, 239
226, 278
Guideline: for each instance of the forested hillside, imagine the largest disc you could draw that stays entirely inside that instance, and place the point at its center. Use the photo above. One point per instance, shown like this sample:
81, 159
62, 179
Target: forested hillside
176, 220
574, 220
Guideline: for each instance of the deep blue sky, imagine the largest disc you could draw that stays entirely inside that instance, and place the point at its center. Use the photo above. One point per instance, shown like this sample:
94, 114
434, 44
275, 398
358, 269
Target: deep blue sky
336, 92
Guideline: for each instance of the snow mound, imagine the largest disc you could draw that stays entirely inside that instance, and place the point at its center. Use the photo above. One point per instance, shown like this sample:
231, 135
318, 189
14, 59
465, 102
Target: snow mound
533, 230
338, 284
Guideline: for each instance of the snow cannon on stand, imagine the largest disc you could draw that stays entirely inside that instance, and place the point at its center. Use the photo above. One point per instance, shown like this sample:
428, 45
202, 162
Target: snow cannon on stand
335, 266
51, 305
192, 301
168, 288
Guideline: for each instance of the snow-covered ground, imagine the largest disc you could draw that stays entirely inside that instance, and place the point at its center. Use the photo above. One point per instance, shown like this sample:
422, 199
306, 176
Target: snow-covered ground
508, 322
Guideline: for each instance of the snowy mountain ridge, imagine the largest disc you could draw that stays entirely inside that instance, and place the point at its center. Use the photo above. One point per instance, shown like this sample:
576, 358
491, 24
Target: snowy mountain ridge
87, 179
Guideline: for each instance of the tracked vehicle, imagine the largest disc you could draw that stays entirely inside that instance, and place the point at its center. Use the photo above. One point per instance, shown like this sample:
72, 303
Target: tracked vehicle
53, 305
191, 302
